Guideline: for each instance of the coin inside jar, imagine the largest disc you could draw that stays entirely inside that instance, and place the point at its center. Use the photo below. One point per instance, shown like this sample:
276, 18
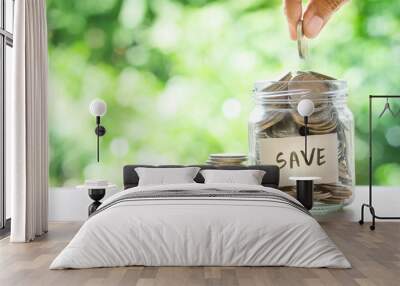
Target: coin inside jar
301, 41
276, 116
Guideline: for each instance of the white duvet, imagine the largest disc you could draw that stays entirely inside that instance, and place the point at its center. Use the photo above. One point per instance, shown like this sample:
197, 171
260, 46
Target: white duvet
199, 231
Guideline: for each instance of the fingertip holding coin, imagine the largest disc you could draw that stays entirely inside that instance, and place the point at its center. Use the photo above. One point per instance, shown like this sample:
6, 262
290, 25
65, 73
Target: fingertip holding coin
301, 41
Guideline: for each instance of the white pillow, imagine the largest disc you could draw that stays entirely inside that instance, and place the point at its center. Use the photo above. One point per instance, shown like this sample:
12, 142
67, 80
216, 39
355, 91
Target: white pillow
165, 176
247, 177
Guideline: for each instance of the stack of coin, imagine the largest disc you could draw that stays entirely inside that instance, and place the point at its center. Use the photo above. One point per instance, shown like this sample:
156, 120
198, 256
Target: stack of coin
338, 193
226, 159
320, 194
320, 122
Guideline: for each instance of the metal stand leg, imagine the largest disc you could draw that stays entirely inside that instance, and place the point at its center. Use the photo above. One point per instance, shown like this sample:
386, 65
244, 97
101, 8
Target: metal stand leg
374, 216
372, 211
361, 221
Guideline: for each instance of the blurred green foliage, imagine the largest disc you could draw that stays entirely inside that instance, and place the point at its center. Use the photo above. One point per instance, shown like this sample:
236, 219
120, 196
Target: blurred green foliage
177, 78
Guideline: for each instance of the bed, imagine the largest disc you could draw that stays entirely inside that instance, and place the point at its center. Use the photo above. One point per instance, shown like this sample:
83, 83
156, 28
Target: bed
198, 224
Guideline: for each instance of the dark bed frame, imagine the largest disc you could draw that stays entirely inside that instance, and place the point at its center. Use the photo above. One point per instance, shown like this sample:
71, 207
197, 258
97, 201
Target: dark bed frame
270, 179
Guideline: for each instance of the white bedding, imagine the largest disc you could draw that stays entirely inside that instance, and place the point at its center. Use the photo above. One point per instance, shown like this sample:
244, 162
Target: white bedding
200, 231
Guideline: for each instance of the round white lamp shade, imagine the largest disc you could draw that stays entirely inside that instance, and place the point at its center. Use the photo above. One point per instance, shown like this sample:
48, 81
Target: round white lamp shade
305, 107
98, 107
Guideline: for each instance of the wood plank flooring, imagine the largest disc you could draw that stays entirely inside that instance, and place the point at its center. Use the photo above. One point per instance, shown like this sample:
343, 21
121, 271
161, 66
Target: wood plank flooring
375, 257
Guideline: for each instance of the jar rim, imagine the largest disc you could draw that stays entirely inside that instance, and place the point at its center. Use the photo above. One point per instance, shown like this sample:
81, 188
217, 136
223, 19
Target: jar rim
337, 90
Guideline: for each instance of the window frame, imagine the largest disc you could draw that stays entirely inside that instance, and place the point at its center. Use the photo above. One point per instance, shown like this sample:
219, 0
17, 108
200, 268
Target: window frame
6, 39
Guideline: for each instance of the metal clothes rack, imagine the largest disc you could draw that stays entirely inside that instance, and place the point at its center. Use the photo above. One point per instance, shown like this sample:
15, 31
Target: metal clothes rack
370, 203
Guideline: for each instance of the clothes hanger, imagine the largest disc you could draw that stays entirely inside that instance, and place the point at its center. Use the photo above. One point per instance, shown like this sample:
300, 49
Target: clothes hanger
387, 107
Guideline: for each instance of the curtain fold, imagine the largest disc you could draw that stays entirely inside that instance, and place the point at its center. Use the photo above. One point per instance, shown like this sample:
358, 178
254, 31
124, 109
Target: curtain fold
26, 119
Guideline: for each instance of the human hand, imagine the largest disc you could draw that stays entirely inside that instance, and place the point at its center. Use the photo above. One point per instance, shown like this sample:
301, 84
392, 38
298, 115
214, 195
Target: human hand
315, 16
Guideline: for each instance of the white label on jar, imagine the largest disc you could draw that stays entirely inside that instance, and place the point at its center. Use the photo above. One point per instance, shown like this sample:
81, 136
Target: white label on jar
288, 154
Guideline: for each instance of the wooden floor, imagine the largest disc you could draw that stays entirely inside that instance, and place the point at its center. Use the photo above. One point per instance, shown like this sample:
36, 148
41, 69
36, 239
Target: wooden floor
375, 257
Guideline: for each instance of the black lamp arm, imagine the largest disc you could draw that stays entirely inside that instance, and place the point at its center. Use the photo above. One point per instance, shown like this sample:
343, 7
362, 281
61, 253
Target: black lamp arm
100, 131
305, 135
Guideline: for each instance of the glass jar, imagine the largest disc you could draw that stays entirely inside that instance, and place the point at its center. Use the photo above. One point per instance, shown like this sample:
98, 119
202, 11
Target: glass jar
276, 136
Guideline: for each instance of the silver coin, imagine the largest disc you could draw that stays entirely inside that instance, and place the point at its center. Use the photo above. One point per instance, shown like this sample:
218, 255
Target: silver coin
284, 128
279, 85
273, 118
322, 196
322, 76
317, 119
301, 41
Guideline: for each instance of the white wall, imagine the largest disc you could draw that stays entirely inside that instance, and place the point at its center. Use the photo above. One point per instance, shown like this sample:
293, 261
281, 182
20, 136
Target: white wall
71, 204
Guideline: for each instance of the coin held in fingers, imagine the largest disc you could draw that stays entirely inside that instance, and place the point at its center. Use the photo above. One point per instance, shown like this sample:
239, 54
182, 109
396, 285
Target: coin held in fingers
301, 41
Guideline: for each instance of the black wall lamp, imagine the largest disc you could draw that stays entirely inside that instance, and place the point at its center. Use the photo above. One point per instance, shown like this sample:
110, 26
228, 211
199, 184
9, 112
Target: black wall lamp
305, 185
305, 109
98, 108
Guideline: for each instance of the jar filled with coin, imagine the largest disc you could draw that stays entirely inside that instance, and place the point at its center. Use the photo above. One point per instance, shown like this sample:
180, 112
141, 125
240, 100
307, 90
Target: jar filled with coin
276, 135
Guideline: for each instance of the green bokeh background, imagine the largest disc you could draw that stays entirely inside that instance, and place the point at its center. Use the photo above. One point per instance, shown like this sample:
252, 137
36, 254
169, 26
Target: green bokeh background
177, 78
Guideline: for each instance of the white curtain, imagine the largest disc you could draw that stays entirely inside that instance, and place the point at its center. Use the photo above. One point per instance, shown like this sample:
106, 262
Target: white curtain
26, 124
